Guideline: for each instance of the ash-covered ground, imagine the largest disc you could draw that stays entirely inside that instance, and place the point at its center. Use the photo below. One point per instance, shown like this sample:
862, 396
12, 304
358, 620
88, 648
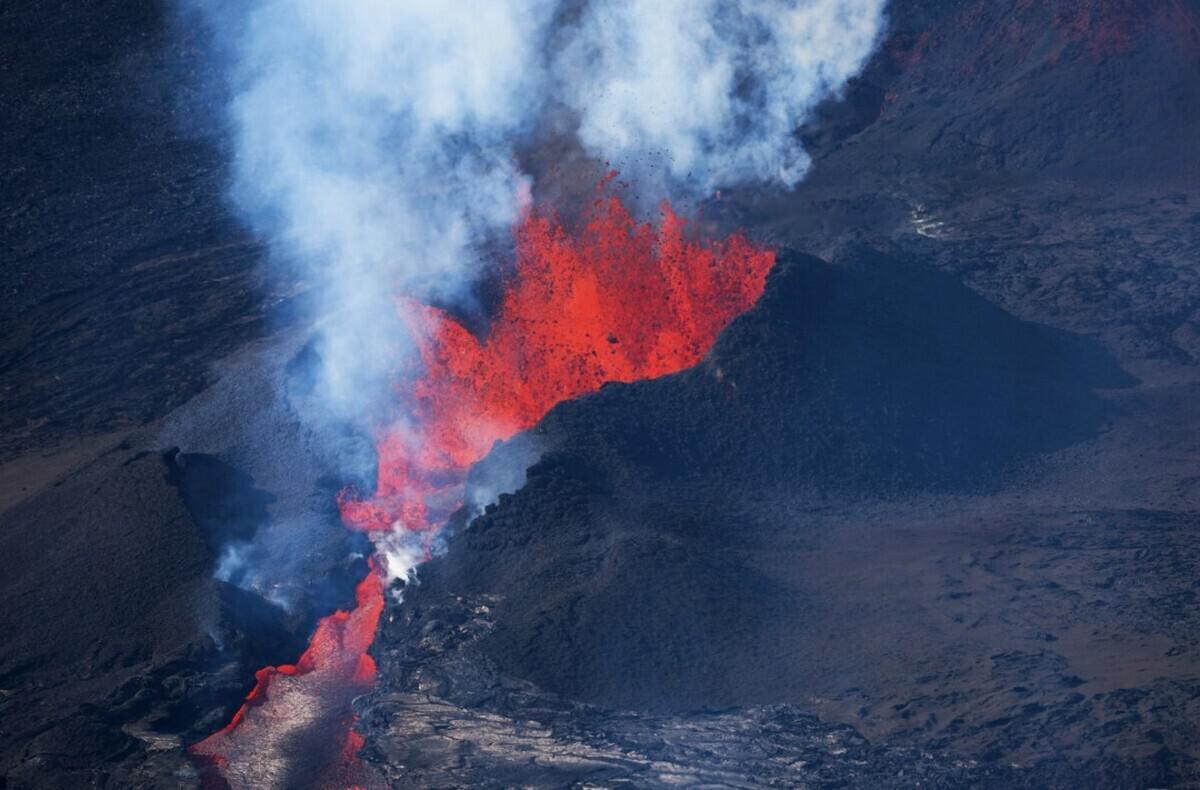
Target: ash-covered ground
926, 516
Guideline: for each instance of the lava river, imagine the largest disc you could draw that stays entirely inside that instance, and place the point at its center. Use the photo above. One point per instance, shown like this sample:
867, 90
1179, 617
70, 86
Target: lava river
607, 299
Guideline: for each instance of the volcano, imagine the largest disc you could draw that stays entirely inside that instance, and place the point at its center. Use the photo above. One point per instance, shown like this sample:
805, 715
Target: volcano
555, 337
886, 480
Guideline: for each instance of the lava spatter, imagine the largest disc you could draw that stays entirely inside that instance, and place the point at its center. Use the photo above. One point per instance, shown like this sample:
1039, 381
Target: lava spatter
611, 300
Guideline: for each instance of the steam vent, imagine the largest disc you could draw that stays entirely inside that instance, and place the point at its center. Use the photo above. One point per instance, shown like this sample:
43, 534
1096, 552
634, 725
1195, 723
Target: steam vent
600, 394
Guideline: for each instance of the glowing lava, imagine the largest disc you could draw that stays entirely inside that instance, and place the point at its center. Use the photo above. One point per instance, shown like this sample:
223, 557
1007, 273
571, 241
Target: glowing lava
293, 709
614, 300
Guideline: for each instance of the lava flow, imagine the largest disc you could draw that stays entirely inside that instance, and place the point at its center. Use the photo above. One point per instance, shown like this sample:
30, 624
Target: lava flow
614, 300
293, 709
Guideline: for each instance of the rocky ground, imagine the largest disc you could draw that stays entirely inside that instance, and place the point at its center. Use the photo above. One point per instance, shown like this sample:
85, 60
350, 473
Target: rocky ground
1018, 605
926, 517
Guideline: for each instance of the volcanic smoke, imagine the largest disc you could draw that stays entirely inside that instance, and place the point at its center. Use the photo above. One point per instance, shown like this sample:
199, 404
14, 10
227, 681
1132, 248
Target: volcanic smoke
613, 300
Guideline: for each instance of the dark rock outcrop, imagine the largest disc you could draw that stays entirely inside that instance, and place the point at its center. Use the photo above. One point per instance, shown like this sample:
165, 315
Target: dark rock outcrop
827, 515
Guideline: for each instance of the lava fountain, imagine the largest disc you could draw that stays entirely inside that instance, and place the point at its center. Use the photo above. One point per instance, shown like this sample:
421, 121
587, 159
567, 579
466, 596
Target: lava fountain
608, 299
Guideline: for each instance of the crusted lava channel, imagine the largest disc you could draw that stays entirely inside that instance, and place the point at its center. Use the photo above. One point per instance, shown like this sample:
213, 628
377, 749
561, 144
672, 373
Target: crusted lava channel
294, 708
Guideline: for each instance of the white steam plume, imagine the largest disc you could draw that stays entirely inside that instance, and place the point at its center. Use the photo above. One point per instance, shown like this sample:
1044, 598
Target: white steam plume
373, 145
374, 139
713, 88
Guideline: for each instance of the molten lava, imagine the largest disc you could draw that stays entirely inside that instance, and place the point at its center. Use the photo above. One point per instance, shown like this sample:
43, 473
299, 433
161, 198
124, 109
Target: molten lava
615, 300
293, 708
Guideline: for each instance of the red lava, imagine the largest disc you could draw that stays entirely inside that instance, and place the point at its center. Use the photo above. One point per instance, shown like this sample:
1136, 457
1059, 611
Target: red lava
614, 300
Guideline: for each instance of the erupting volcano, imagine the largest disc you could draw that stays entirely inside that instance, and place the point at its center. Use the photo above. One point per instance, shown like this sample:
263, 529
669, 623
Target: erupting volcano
607, 299
361, 428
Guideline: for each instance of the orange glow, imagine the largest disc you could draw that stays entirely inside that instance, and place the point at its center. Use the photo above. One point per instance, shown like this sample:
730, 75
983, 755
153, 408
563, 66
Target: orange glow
615, 301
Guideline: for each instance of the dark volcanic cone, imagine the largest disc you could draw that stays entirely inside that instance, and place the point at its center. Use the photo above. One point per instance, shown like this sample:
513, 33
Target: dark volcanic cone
617, 563
772, 528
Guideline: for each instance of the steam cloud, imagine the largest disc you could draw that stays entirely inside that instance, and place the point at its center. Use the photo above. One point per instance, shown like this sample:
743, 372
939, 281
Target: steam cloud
374, 139
372, 142
717, 87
